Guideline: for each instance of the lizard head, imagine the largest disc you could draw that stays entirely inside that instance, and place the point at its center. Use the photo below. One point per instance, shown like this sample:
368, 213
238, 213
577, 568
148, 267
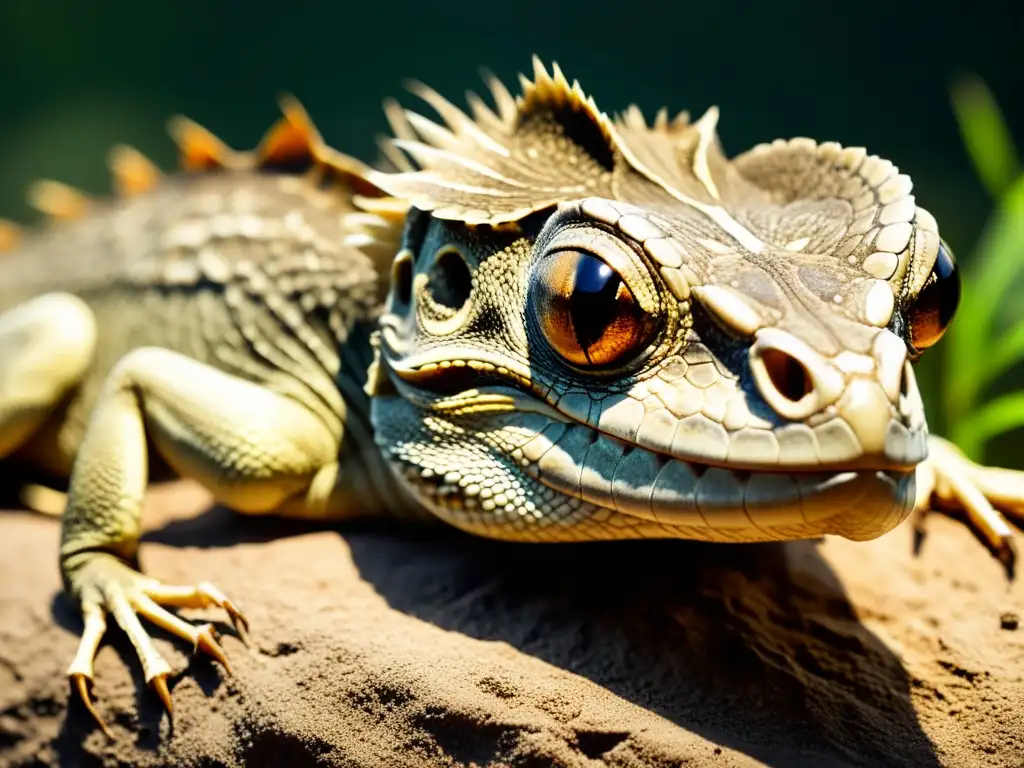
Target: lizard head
600, 328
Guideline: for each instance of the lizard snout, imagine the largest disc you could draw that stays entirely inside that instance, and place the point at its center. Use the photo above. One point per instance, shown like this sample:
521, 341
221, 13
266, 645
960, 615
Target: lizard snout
867, 402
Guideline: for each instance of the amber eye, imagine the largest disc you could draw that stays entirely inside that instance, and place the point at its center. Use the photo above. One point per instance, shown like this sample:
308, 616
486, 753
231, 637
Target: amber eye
585, 310
936, 304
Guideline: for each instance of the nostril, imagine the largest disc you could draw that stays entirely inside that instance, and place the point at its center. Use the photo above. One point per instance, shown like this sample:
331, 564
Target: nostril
787, 374
793, 378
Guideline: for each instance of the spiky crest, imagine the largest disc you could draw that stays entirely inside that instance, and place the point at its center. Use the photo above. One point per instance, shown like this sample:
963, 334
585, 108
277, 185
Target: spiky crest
291, 144
10, 235
393, 160
528, 153
632, 118
199, 149
683, 158
57, 200
551, 144
294, 145
133, 173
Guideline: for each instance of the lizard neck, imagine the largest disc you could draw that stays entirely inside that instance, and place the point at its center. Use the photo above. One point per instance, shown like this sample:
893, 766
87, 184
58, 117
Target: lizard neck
366, 480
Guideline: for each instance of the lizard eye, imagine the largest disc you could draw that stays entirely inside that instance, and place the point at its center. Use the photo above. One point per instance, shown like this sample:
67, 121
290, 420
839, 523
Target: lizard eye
936, 304
585, 311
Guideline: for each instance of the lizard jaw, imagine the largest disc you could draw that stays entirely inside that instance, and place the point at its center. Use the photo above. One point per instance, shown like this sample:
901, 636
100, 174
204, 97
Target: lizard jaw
520, 469
726, 503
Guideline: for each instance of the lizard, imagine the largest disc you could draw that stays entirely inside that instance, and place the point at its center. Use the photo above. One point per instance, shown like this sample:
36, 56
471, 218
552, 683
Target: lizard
535, 322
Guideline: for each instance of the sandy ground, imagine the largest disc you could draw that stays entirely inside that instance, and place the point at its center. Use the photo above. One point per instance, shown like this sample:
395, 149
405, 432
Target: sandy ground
377, 647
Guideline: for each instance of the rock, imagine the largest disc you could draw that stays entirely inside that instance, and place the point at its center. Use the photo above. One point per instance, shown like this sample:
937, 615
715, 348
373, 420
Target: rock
379, 646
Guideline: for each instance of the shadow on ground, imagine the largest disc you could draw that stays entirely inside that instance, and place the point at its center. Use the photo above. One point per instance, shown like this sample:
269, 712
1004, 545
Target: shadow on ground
755, 647
752, 646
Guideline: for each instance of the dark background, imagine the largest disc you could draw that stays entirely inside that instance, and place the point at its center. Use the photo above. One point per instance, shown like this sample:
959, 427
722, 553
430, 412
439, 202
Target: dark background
78, 76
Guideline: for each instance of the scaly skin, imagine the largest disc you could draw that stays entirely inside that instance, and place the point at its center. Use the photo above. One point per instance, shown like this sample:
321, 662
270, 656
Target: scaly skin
594, 329
604, 330
222, 315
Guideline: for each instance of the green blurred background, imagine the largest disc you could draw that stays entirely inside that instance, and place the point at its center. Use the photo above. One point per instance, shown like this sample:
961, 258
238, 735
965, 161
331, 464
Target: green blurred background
77, 77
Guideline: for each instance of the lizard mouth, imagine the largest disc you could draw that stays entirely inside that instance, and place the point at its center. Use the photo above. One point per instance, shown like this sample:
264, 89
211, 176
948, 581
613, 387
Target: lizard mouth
824, 443
584, 465
734, 504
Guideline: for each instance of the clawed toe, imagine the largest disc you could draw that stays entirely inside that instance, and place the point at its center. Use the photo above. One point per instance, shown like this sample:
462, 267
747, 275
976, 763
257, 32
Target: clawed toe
201, 595
948, 480
127, 595
238, 620
1007, 555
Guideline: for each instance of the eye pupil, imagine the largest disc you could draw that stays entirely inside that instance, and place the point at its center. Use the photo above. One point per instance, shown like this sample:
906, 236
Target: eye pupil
593, 275
937, 302
585, 309
593, 299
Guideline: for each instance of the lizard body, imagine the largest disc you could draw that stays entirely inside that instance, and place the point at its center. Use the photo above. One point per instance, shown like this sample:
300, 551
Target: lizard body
593, 329
240, 263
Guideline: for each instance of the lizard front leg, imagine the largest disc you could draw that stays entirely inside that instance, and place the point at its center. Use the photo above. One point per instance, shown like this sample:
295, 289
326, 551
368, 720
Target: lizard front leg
948, 480
251, 447
46, 345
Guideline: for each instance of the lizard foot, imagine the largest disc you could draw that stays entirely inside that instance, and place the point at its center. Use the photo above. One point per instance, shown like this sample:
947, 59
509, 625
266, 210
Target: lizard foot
107, 585
949, 481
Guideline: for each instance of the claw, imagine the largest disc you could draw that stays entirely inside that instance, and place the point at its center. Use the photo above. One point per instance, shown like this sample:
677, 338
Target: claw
200, 596
238, 620
80, 671
79, 683
215, 596
129, 597
950, 481
159, 684
206, 640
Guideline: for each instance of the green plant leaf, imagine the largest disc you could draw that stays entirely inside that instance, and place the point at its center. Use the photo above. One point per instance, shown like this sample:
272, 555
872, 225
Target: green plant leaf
1005, 353
985, 135
1000, 415
993, 269
987, 336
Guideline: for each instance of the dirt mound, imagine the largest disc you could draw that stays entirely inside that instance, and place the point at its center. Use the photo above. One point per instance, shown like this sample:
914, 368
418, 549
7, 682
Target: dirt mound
373, 646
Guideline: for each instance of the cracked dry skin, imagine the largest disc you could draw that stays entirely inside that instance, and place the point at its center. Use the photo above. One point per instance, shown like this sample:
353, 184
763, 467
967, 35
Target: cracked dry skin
607, 330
